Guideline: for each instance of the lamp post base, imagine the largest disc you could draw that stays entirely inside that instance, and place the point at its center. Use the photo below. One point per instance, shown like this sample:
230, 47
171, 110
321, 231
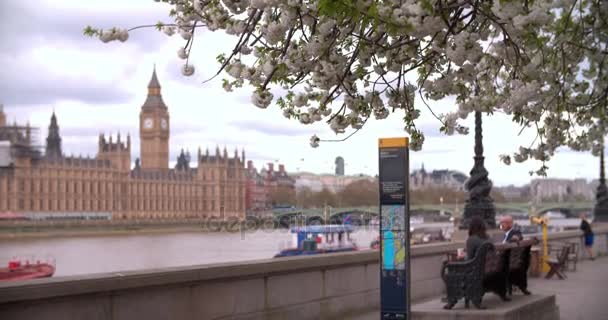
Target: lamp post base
484, 209
600, 214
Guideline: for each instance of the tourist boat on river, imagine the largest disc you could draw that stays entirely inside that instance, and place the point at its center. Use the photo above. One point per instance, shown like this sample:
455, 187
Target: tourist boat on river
25, 270
320, 239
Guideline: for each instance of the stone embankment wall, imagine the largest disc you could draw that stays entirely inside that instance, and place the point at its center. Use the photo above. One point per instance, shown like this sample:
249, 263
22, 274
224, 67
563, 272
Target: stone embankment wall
315, 287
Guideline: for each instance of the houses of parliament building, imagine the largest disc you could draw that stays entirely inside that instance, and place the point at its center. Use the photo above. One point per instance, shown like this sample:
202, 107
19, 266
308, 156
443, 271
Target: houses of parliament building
33, 180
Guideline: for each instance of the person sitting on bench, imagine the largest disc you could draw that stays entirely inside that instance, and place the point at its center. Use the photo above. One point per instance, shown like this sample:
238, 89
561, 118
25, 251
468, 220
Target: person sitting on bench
512, 234
477, 236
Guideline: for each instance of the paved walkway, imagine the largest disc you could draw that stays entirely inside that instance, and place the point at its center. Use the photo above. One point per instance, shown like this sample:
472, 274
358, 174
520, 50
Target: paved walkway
583, 296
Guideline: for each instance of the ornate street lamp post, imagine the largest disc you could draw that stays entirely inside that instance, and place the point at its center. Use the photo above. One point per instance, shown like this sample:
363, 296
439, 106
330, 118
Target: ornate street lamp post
479, 203
601, 205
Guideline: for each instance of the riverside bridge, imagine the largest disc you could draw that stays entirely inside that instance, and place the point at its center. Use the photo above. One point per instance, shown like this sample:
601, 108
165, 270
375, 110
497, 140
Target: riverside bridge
364, 214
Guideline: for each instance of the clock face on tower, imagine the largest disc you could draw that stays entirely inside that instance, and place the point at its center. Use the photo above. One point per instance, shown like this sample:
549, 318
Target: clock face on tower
148, 123
163, 123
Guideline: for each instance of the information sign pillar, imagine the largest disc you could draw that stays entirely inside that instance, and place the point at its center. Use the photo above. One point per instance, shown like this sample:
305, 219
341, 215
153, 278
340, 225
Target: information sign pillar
394, 228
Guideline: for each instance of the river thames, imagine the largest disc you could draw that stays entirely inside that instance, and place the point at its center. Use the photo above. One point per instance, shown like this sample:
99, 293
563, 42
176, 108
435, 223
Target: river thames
78, 255
99, 254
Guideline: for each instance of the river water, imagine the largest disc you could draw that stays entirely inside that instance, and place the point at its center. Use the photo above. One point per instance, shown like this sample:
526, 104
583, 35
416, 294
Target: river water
115, 253
97, 254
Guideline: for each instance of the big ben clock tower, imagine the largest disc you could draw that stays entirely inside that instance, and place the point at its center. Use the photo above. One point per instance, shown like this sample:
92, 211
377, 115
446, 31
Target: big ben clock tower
154, 129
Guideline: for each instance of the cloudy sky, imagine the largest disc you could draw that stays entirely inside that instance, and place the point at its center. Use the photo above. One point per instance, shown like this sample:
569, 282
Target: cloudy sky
47, 64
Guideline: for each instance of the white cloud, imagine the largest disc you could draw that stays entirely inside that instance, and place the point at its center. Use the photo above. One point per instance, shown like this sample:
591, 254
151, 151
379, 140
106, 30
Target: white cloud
96, 87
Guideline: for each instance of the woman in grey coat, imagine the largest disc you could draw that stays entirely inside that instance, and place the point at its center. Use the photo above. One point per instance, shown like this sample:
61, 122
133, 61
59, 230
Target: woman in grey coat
477, 236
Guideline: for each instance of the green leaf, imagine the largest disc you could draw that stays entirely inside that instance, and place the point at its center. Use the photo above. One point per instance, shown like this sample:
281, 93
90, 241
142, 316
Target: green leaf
221, 58
281, 103
360, 72
89, 31
427, 6
338, 9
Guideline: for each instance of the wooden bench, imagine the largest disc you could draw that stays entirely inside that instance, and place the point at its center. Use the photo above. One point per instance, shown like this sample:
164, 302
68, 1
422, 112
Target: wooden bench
572, 256
495, 268
555, 249
557, 264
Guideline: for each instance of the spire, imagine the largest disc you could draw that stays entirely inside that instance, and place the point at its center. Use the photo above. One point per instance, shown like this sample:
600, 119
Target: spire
154, 85
28, 133
154, 80
154, 99
53, 140
183, 161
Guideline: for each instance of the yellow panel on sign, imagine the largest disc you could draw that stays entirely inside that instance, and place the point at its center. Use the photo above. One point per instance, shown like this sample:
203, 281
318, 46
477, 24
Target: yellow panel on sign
393, 142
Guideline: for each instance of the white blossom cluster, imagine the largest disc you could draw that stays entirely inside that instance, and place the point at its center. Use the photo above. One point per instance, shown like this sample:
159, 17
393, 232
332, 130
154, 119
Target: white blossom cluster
543, 62
114, 34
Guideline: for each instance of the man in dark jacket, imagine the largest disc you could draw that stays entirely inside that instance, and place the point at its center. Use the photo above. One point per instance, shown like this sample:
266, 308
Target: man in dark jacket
512, 234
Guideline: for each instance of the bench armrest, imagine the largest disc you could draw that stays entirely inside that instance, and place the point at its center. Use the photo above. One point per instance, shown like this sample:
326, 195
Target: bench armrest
458, 267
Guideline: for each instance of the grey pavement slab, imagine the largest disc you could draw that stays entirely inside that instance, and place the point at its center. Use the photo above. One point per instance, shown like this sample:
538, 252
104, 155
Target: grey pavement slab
584, 295
532, 307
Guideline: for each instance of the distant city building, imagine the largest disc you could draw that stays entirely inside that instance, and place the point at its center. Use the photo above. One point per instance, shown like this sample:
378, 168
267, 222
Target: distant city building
16, 141
339, 166
551, 189
514, 193
278, 182
262, 185
333, 183
421, 179
32, 182
255, 193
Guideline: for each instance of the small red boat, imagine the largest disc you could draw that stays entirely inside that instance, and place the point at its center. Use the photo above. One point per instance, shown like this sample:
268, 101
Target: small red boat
17, 270
375, 244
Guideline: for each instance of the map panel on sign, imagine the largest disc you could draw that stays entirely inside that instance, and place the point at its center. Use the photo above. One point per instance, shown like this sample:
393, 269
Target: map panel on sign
393, 250
393, 218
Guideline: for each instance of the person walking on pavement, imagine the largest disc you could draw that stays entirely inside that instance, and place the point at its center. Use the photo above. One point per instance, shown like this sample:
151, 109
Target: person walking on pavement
588, 235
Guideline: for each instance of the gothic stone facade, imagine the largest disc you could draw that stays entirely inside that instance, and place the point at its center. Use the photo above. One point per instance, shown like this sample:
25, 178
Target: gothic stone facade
52, 182
268, 188
421, 179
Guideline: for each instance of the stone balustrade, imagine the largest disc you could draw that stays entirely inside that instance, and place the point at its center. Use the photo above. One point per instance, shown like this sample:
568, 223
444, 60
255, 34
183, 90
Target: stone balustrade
600, 245
315, 287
